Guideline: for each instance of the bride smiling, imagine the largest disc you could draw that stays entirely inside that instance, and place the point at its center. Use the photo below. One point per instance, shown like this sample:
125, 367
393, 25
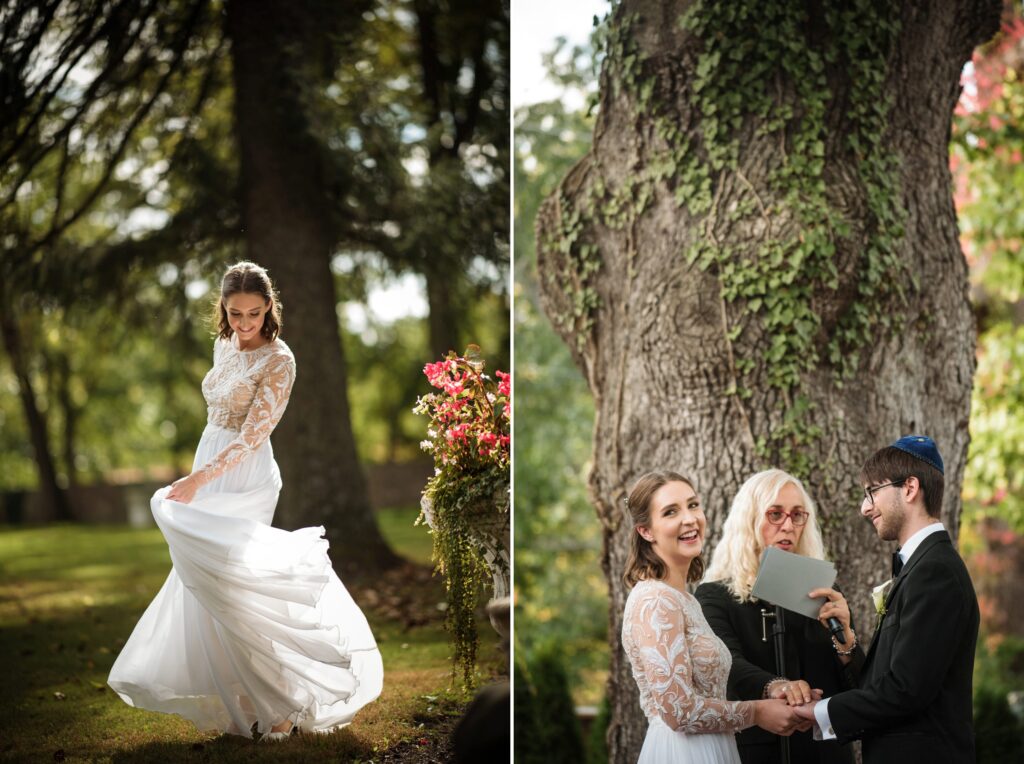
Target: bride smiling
679, 665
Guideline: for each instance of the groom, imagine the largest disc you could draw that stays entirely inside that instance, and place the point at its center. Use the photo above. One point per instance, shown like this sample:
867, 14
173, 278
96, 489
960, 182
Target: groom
914, 702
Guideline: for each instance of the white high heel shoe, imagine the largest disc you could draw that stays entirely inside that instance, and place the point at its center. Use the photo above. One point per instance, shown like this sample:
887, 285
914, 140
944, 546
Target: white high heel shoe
270, 737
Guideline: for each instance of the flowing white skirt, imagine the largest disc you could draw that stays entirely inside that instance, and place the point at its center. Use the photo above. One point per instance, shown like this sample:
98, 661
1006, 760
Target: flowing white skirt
667, 746
252, 625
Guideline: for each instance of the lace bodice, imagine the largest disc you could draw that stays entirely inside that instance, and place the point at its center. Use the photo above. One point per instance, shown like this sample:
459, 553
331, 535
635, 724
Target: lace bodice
245, 391
679, 664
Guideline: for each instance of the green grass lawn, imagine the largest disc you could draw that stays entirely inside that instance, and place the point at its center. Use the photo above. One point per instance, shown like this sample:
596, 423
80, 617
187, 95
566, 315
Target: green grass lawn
70, 596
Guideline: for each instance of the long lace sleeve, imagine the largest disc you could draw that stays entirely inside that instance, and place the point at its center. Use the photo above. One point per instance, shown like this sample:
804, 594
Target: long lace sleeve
672, 664
268, 406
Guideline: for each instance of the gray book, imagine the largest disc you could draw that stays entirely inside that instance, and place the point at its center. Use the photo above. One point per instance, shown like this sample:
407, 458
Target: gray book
784, 578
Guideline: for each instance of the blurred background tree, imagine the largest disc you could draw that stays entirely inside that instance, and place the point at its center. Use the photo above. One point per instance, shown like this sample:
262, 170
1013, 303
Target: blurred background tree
122, 198
561, 591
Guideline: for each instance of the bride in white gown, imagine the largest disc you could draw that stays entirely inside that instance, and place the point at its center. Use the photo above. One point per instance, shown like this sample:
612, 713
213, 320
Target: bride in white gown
680, 666
252, 627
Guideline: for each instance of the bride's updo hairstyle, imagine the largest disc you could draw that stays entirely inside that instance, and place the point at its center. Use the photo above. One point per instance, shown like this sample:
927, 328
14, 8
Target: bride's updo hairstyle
247, 278
643, 562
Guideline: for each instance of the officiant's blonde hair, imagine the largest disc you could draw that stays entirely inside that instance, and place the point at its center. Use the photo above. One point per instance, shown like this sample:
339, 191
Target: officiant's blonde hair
738, 553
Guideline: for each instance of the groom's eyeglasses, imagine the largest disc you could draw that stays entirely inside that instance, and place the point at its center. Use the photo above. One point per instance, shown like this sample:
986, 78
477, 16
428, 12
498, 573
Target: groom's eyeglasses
871, 490
778, 516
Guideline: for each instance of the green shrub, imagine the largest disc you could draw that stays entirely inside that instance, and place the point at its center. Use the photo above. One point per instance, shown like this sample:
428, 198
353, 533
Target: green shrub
597, 740
998, 734
550, 731
524, 702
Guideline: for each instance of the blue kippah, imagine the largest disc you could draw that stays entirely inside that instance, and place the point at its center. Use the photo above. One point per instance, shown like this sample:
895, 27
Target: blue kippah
922, 447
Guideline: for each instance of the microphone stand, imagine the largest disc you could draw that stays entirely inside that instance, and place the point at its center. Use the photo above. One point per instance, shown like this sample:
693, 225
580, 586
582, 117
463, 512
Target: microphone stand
779, 640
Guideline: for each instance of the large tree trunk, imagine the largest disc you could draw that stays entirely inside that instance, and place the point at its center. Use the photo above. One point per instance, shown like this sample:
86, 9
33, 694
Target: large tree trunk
642, 270
452, 123
55, 498
444, 318
288, 230
59, 366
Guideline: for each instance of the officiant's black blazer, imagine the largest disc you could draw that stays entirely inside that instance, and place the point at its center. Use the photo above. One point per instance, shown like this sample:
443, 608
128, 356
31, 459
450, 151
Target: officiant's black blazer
914, 702
809, 656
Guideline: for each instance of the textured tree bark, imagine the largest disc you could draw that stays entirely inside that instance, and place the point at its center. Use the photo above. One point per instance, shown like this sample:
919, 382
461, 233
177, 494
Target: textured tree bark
288, 231
444, 319
654, 350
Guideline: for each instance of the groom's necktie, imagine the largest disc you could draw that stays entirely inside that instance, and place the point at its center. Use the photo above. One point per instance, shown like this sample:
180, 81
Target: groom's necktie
897, 563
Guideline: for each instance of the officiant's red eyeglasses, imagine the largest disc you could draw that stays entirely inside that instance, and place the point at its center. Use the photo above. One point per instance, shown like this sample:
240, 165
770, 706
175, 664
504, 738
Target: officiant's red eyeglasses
778, 516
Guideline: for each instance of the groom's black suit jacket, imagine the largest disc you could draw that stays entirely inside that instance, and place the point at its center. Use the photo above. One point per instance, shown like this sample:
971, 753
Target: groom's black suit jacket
914, 701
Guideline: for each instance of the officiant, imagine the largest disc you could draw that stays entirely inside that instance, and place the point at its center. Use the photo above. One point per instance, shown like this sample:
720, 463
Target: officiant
773, 508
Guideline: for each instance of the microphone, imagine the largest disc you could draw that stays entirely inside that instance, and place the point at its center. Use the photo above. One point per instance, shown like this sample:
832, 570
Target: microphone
836, 629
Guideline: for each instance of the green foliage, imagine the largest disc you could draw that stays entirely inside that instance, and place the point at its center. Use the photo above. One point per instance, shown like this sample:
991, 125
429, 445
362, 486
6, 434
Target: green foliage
399, 529
998, 734
999, 671
758, 64
118, 298
552, 716
583, 260
458, 504
994, 478
561, 593
386, 362
597, 740
94, 373
999, 665
468, 495
987, 160
779, 79
525, 728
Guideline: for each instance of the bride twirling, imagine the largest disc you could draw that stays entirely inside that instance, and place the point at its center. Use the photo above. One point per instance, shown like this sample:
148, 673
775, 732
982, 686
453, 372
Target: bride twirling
252, 628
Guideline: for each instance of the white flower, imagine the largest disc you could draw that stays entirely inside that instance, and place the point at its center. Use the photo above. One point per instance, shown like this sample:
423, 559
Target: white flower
878, 595
426, 445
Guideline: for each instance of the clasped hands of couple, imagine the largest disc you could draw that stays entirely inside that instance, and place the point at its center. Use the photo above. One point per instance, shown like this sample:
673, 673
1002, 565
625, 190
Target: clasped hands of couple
789, 708
796, 714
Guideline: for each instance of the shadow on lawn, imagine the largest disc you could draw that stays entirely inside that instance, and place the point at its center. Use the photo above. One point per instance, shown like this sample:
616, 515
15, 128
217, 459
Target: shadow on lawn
339, 746
70, 597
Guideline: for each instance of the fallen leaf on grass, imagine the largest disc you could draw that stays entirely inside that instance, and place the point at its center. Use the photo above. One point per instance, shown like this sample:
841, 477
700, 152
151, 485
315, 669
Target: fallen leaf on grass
59, 696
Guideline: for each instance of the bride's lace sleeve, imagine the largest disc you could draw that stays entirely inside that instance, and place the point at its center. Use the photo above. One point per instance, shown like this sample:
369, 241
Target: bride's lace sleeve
657, 632
267, 408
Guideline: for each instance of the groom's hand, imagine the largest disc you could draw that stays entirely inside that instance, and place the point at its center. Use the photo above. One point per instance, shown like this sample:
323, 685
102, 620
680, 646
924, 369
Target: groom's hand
805, 712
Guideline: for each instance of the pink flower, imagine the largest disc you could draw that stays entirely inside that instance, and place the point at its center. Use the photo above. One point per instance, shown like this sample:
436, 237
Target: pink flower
504, 384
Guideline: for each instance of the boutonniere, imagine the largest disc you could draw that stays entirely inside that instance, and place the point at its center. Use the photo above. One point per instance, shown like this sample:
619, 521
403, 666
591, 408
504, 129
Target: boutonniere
878, 595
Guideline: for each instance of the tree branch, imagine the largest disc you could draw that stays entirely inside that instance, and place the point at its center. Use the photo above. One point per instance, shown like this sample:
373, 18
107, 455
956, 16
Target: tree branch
183, 43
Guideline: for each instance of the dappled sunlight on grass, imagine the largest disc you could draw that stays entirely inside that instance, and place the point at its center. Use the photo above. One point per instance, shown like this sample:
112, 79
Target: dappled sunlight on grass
70, 596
